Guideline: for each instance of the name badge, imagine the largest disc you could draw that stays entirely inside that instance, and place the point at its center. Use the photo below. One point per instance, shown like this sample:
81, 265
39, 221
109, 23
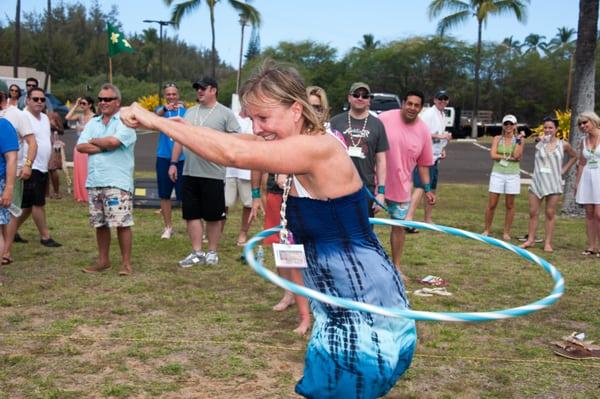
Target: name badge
545, 169
592, 164
356, 152
290, 255
503, 163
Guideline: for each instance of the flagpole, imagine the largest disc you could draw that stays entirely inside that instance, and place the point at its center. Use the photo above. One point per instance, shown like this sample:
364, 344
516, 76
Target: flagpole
110, 70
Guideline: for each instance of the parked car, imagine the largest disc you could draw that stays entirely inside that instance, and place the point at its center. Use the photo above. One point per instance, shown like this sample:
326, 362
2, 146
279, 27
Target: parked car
384, 102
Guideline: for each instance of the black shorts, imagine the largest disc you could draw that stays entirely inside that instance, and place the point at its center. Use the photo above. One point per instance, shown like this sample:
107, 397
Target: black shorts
34, 189
202, 198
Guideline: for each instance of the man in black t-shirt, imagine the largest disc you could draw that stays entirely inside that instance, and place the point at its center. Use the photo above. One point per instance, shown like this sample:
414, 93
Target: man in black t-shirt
366, 140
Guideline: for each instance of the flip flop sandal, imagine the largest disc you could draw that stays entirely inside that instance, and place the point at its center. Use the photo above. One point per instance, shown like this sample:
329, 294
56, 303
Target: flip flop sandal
437, 291
6, 260
588, 252
434, 281
576, 352
421, 292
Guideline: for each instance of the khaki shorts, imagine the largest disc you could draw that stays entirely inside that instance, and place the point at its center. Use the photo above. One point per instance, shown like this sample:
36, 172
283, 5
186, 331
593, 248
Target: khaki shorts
110, 207
235, 188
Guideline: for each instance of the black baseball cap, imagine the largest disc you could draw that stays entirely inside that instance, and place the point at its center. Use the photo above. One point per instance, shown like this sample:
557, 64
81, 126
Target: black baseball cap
441, 94
205, 82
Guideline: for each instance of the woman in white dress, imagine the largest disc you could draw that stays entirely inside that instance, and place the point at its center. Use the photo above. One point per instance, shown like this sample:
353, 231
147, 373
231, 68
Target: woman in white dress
588, 178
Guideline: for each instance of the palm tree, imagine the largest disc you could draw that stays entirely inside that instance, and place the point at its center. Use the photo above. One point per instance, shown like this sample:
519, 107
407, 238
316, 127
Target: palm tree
583, 94
513, 46
249, 13
563, 42
535, 43
368, 43
481, 10
17, 49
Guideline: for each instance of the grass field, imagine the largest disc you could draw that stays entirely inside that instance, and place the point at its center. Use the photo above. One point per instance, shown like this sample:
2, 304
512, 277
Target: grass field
209, 332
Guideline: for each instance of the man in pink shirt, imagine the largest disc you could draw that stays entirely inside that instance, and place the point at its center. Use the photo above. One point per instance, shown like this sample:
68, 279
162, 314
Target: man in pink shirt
410, 146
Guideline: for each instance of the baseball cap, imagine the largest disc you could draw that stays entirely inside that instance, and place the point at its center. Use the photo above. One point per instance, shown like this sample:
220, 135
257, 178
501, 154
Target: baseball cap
441, 94
204, 82
509, 118
3, 86
359, 85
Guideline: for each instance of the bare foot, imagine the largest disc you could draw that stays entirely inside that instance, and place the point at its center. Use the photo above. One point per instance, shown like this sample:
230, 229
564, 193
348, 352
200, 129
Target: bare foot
527, 244
303, 327
505, 237
548, 248
97, 268
287, 301
485, 233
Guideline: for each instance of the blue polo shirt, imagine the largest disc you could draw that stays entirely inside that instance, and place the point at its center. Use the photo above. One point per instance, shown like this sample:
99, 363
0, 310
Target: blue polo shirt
165, 143
111, 168
8, 142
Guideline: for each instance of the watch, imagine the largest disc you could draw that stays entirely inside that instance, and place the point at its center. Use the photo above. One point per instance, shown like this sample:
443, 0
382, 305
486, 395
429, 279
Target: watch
28, 162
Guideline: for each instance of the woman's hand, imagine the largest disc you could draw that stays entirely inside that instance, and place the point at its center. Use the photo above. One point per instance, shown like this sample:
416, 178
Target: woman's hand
256, 207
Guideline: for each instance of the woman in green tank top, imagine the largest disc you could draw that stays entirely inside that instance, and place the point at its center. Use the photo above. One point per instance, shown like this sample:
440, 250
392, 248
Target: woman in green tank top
506, 153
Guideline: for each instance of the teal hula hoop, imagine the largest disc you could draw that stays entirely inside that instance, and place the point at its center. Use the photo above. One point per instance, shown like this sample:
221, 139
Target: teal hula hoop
555, 295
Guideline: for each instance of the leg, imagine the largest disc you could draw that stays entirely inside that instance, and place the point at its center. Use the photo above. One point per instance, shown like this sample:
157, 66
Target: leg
38, 214
194, 229
596, 224
489, 212
125, 236
166, 210
590, 228
103, 242
303, 308
288, 297
415, 200
551, 202
213, 231
11, 230
245, 225
534, 207
509, 200
54, 180
397, 242
428, 211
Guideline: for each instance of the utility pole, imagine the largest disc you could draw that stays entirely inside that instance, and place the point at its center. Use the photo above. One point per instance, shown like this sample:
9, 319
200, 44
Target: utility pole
160, 46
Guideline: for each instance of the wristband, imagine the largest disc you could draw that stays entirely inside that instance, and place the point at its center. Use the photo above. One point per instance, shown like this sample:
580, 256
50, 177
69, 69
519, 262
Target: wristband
427, 187
173, 163
255, 193
380, 189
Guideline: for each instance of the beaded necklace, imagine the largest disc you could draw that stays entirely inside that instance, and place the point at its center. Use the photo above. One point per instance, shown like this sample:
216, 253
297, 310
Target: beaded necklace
351, 131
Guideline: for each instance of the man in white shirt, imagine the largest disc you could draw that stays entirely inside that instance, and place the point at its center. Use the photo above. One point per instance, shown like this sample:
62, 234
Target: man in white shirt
25, 157
34, 189
435, 119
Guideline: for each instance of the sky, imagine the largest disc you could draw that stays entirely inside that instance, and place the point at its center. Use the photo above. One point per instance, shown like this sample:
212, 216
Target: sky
338, 23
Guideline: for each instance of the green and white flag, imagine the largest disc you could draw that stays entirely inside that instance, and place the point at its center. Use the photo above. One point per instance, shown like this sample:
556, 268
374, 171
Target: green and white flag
117, 42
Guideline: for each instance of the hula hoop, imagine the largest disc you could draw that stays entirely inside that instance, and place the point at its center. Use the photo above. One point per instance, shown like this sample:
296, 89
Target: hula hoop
557, 292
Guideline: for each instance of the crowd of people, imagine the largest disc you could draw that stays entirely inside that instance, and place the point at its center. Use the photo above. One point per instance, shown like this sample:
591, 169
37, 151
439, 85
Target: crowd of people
277, 147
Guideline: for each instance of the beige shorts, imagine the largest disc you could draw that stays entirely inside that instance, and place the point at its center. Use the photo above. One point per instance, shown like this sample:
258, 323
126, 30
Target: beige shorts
235, 188
110, 207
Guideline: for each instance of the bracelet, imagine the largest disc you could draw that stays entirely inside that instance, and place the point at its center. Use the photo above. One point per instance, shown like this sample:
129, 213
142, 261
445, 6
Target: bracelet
255, 193
28, 163
427, 187
380, 189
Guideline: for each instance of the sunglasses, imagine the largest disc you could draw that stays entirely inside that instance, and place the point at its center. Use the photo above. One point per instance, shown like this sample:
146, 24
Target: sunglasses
31, 85
14, 90
200, 88
170, 84
363, 96
38, 99
83, 103
443, 98
106, 99
582, 123
508, 123
317, 108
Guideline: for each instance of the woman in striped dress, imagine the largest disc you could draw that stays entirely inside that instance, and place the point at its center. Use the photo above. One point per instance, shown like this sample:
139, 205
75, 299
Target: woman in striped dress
547, 183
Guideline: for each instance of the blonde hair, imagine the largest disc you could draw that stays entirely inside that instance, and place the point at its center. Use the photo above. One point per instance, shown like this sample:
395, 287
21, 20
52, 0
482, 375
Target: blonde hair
320, 92
589, 116
282, 84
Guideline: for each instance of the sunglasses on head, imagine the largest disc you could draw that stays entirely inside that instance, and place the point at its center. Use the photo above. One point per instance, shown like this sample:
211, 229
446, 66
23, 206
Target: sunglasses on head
106, 99
364, 96
170, 84
38, 99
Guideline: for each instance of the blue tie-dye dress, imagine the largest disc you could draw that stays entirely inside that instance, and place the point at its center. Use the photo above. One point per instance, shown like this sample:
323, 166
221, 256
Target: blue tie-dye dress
350, 354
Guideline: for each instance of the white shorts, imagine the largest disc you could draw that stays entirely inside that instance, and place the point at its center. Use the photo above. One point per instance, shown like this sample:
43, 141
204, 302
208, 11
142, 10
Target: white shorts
235, 188
501, 183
